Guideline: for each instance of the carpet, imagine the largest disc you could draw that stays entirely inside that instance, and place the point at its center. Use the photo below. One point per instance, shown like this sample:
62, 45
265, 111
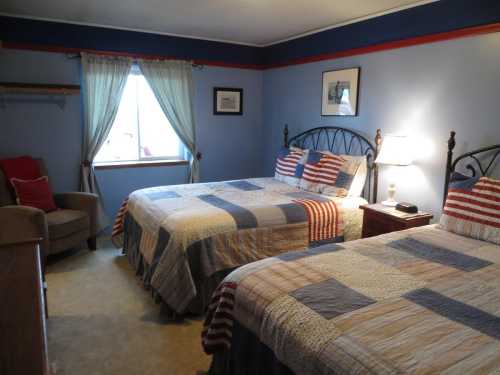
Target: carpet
102, 321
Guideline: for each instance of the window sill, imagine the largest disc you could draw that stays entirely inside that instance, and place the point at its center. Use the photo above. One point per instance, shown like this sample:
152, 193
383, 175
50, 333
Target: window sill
140, 164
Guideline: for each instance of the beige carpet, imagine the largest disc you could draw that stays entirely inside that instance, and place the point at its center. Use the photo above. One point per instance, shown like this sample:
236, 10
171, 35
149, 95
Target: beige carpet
103, 322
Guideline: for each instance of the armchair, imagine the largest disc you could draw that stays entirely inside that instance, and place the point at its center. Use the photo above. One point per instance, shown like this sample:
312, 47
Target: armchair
63, 229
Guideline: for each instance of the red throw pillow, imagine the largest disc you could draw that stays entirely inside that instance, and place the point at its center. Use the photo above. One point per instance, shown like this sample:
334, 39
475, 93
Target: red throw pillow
34, 193
23, 167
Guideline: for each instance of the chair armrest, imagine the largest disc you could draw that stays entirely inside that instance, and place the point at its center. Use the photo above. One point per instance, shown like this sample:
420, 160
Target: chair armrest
80, 201
19, 223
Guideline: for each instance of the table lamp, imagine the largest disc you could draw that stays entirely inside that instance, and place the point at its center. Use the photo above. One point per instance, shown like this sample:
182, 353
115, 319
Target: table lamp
395, 150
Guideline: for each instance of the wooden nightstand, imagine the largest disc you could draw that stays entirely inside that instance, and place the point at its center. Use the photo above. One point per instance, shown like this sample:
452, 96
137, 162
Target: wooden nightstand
380, 219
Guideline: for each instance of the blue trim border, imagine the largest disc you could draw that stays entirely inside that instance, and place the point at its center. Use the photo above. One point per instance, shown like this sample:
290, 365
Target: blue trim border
441, 20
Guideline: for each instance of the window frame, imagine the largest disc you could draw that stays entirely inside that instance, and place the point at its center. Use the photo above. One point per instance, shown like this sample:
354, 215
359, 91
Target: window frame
143, 160
139, 164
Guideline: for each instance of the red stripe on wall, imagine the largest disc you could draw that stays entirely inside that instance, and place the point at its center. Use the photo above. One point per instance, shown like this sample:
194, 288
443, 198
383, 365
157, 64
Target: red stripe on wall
433, 38
57, 49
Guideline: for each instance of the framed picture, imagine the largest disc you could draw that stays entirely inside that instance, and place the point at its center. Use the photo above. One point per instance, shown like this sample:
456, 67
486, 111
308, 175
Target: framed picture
228, 101
340, 92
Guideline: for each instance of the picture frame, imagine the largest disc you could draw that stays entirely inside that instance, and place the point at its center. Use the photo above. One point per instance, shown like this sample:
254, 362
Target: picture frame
340, 92
228, 101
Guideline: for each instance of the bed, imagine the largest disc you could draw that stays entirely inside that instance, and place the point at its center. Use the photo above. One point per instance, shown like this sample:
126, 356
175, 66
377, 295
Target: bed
183, 240
424, 300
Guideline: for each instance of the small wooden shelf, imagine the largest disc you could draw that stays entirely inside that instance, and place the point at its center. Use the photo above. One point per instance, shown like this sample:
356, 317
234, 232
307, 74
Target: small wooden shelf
38, 88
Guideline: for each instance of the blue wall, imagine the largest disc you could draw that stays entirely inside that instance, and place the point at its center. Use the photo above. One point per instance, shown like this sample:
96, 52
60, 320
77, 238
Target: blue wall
424, 91
116, 184
231, 145
36, 125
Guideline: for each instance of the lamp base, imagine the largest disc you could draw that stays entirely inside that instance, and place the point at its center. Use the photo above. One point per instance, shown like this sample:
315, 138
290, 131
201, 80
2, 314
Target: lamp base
391, 193
390, 203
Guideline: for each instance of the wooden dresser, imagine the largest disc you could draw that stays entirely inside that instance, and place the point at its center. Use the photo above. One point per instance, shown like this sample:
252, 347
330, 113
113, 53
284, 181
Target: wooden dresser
23, 332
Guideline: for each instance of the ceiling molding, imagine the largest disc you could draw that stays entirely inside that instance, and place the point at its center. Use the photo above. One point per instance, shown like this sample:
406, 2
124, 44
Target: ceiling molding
263, 45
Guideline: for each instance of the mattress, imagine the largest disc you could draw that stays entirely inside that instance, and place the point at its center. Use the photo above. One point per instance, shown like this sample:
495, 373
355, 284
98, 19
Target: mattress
178, 237
422, 300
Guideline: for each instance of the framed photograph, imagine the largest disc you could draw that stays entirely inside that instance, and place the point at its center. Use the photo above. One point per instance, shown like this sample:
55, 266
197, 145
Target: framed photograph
340, 92
228, 101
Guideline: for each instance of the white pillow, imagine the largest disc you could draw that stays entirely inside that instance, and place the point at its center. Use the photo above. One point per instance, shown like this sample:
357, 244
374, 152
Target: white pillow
358, 183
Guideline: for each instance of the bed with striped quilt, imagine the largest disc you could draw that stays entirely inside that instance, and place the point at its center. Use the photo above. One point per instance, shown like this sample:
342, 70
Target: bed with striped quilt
420, 301
182, 240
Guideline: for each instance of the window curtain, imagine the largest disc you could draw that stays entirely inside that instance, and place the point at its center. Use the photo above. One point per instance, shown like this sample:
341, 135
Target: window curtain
103, 80
172, 84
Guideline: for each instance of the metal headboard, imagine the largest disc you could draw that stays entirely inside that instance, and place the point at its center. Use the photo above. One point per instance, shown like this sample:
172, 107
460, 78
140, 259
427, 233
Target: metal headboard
342, 141
484, 165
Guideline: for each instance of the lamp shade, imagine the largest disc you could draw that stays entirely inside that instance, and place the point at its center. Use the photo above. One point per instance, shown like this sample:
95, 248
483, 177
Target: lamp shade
395, 150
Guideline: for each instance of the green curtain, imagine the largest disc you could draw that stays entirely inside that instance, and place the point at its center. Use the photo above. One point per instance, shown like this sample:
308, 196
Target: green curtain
103, 80
172, 84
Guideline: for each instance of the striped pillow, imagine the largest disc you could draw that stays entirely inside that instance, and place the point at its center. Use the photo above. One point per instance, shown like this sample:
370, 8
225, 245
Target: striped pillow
345, 177
320, 171
472, 208
330, 174
290, 165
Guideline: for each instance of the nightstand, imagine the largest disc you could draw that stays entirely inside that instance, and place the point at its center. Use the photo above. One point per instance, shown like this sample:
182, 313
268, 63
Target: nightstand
380, 219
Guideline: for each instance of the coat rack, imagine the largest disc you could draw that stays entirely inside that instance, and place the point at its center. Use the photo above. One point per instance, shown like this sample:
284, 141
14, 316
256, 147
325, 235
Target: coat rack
57, 93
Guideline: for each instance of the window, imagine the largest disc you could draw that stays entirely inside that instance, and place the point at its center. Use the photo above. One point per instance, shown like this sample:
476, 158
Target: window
140, 132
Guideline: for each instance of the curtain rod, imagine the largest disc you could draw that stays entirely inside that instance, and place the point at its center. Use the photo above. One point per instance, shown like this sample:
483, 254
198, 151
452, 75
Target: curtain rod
135, 57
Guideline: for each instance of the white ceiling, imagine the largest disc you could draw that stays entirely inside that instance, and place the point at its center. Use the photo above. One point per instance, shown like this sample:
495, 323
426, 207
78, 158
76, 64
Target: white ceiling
254, 22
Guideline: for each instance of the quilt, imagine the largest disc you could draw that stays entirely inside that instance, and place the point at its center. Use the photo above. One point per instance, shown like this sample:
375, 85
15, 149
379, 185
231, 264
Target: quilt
179, 236
422, 300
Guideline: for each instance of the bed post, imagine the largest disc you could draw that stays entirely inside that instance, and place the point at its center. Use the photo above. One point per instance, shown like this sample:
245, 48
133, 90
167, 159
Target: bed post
285, 136
449, 160
378, 141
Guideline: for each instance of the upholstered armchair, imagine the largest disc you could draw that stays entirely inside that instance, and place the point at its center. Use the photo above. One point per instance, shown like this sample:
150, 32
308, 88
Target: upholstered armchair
63, 229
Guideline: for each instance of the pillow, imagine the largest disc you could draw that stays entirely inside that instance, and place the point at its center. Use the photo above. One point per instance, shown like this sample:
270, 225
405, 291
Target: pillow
290, 165
472, 208
34, 193
320, 171
23, 167
358, 182
345, 178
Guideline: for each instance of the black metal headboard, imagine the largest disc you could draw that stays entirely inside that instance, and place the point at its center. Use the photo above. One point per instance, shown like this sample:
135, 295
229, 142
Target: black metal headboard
342, 141
475, 164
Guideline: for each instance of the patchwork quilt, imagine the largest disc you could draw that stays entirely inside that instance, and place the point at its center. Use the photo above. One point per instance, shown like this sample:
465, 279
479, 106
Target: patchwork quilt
178, 236
422, 300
